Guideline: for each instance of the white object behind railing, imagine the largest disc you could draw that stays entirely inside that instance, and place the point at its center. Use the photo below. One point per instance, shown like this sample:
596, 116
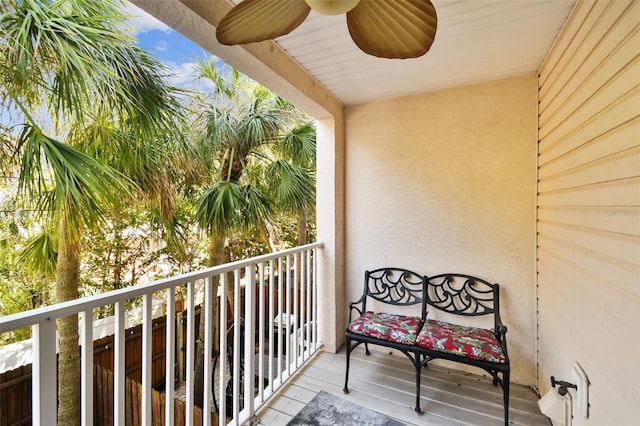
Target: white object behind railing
295, 271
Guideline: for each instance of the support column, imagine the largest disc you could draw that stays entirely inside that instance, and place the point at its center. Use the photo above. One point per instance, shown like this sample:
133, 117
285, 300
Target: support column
330, 212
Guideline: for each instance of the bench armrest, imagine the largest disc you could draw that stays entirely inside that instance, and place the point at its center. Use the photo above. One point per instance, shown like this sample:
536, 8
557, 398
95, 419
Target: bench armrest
501, 332
353, 306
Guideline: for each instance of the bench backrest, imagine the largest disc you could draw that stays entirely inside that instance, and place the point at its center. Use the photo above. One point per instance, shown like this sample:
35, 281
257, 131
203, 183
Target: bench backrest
463, 295
395, 286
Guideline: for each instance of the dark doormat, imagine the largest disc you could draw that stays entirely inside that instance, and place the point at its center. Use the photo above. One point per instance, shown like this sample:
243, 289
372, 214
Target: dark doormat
329, 410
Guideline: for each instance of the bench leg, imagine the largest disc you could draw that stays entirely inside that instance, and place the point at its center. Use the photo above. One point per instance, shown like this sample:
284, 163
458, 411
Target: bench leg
346, 376
366, 349
505, 390
418, 373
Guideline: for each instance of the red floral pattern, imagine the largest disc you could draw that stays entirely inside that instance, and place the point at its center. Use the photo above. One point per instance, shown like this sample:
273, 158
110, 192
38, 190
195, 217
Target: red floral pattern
395, 328
471, 342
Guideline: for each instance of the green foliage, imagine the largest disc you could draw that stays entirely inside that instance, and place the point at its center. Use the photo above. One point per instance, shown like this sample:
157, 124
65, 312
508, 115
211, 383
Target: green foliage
98, 138
40, 253
293, 187
23, 284
299, 145
93, 128
83, 186
259, 155
74, 58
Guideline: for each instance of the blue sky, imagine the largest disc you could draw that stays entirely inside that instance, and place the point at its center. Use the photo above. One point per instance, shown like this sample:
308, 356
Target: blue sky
175, 51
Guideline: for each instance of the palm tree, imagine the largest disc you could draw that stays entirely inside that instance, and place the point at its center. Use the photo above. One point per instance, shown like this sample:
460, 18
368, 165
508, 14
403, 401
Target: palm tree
291, 177
108, 106
240, 132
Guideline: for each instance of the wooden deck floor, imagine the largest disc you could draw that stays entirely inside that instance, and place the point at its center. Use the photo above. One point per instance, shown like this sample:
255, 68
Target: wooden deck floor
385, 383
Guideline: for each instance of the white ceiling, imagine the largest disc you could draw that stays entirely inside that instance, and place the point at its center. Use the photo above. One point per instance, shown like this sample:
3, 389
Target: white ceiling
476, 40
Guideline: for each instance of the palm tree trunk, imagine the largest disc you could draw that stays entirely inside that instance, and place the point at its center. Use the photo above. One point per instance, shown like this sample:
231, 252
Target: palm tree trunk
302, 227
216, 257
67, 279
266, 231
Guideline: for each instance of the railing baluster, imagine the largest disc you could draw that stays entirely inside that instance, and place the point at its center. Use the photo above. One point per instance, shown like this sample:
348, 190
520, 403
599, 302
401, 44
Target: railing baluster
119, 377
249, 339
310, 320
147, 323
281, 322
44, 382
170, 356
272, 273
294, 352
222, 357
287, 317
261, 289
236, 343
86, 386
180, 338
208, 327
191, 338
314, 299
303, 305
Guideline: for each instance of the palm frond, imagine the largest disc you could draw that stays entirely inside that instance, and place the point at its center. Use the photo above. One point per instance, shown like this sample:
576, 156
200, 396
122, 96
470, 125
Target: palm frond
72, 54
299, 144
257, 206
82, 187
258, 124
218, 207
147, 162
7, 151
40, 253
208, 68
293, 186
218, 130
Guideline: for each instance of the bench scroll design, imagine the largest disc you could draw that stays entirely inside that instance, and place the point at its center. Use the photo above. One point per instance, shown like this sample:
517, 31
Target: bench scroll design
395, 286
462, 295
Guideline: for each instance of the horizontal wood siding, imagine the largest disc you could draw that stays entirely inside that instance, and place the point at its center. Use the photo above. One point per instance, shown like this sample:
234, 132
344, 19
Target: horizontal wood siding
588, 258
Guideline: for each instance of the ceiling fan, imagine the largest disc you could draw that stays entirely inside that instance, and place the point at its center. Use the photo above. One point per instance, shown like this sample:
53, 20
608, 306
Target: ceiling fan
394, 29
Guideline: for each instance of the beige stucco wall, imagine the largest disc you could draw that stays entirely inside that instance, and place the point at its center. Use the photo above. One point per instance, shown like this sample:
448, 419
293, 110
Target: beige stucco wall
445, 182
589, 210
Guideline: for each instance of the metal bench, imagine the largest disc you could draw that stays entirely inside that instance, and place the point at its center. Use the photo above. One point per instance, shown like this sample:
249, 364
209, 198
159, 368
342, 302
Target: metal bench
422, 338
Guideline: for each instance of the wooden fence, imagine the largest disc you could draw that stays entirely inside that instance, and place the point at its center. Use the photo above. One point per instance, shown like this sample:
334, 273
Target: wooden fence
16, 405
15, 397
103, 403
104, 357
15, 385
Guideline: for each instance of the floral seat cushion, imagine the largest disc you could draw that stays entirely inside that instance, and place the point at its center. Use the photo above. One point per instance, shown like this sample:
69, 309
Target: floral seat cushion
471, 342
395, 328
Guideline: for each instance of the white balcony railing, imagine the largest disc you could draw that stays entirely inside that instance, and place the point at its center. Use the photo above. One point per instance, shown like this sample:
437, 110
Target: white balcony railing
275, 327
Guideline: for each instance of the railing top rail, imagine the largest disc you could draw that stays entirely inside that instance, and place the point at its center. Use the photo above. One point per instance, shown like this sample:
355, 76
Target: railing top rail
51, 313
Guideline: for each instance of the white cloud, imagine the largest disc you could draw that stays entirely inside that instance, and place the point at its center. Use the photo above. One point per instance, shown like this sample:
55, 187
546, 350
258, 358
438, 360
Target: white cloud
181, 74
186, 76
141, 21
162, 46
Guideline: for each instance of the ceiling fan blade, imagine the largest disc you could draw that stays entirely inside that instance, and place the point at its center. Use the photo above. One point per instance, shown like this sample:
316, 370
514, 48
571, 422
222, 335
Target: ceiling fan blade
259, 20
397, 29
